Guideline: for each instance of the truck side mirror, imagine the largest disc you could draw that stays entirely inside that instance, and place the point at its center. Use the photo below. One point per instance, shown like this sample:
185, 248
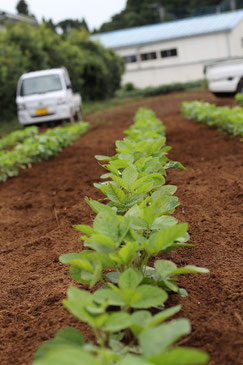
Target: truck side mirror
69, 86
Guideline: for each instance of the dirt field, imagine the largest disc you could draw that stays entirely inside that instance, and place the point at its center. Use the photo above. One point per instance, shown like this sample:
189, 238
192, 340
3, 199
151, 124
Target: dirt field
38, 209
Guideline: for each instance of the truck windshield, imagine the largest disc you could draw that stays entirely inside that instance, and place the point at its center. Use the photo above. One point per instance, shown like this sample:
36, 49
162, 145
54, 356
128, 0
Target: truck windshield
40, 85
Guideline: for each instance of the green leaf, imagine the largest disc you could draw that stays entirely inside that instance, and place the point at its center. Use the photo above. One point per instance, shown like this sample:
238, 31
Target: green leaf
162, 316
102, 158
64, 337
151, 296
87, 255
98, 207
124, 147
164, 191
180, 356
83, 264
115, 194
140, 320
80, 304
134, 199
119, 164
163, 222
130, 175
128, 251
170, 285
112, 277
67, 355
166, 237
130, 279
103, 240
141, 181
175, 165
164, 268
107, 224
190, 269
133, 360
156, 340
109, 296
77, 294
117, 322
84, 229
121, 182
168, 203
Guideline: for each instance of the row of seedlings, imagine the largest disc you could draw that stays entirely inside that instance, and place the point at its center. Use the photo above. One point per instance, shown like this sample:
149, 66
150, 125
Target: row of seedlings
129, 287
15, 137
37, 147
226, 119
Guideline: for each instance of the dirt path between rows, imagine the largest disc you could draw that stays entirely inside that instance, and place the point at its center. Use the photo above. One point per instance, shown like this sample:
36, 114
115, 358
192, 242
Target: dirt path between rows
38, 209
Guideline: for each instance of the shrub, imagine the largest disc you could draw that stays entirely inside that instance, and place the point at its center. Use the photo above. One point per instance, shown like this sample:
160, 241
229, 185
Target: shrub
157, 90
95, 71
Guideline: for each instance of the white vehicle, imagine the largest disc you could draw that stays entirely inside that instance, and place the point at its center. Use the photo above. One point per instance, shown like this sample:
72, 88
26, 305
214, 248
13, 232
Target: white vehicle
44, 96
225, 77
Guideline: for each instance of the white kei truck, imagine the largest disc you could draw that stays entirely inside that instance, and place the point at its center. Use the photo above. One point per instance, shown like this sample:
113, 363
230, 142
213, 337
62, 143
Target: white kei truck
225, 77
46, 96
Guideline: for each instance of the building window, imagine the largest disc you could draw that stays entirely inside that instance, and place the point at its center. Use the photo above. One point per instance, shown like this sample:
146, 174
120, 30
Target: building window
130, 59
168, 53
148, 56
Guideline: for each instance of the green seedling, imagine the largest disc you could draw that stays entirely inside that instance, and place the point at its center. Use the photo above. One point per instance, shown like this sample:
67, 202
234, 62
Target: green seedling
133, 227
226, 119
38, 147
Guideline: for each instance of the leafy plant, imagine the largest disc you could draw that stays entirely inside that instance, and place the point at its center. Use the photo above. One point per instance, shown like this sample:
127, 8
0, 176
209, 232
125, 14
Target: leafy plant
36, 147
17, 136
126, 235
95, 71
226, 119
239, 98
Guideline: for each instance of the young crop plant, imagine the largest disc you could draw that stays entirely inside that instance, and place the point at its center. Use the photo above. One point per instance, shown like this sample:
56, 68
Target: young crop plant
17, 136
221, 117
120, 262
239, 98
37, 147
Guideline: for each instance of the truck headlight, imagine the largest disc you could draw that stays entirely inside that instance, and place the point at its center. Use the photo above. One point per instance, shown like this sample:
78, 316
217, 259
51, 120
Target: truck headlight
61, 101
21, 106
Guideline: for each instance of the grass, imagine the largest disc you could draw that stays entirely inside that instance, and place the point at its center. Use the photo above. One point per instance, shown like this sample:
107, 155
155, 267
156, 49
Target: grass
93, 106
8, 125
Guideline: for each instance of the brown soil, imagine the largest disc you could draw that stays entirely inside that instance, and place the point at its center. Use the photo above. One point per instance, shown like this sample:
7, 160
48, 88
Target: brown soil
38, 209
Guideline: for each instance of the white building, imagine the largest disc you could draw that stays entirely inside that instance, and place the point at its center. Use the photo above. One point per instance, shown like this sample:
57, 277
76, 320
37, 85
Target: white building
176, 51
6, 17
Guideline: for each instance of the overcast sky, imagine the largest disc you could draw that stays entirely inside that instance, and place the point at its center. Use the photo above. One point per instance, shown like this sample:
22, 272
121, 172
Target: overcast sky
95, 12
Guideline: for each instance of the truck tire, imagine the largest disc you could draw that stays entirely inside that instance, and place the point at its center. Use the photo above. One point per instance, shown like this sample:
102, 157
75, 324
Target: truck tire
78, 116
71, 118
223, 95
240, 87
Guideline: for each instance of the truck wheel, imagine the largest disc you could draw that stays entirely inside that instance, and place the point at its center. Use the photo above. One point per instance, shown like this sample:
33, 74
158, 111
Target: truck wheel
223, 95
240, 87
71, 119
78, 116
218, 95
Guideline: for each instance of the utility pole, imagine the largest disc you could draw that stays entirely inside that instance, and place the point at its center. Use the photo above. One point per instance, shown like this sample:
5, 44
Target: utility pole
160, 9
232, 5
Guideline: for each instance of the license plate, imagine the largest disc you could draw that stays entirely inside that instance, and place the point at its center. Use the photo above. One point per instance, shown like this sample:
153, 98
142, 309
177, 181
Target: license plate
41, 111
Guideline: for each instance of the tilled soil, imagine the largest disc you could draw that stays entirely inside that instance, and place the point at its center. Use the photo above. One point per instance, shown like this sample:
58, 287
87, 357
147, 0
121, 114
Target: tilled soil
38, 209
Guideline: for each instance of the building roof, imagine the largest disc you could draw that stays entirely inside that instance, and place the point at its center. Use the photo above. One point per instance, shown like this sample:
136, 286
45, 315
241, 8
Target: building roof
5, 17
170, 30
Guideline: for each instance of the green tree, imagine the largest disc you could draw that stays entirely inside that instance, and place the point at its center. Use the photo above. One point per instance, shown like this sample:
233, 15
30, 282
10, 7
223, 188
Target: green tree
95, 71
22, 7
68, 25
144, 12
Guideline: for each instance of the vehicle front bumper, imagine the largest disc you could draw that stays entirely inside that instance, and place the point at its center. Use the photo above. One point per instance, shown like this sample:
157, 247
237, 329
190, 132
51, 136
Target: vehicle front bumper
62, 112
